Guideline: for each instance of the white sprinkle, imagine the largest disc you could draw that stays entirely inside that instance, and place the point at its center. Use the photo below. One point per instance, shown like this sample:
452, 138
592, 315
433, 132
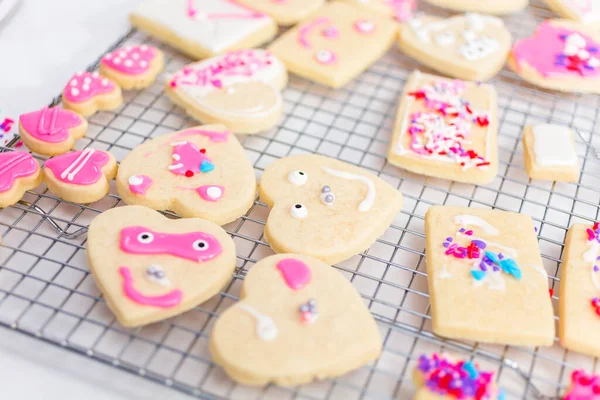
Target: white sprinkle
144, 47
74, 82
85, 87
117, 60
143, 64
87, 80
108, 56
95, 74
122, 54
74, 91
104, 82
128, 63
135, 56
79, 73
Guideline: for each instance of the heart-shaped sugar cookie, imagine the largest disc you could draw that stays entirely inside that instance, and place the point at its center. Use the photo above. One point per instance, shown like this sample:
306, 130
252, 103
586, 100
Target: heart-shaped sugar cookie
88, 92
150, 267
470, 47
299, 319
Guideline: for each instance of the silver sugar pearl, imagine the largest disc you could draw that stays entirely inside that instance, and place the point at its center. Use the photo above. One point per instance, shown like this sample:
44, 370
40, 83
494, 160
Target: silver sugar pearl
329, 198
325, 189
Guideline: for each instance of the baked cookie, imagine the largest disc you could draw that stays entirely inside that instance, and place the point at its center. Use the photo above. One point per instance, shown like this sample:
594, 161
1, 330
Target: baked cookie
203, 28
583, 386
446, 129
324, 47
285, 12
19, 172
483, 6
439, 377
150, 267
133, 67
470, 46
400, 10
325, 208
318, 328
51, 131
586, 11
80, 176
198, 172
88, 92
486, 278
240, 89
562, 55
549, 152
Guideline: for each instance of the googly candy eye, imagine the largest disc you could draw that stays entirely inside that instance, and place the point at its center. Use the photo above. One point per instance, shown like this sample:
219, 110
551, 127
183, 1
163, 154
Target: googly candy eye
299, 211
297, 177
200, 245
326, 57
145, 237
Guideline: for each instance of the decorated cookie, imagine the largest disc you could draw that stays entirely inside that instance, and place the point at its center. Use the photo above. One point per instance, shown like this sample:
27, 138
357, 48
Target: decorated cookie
80, 176
439, 377
285, 12
19, 172
446, 129
133, 67
51, 131
204, 28
400, 10
150, 267
88, 92
325, 208
240, 89
583, 386
486, 278
318, 328
324, 47
550, 153
586, 11
198, 172
561, 55
483, 6
471, 46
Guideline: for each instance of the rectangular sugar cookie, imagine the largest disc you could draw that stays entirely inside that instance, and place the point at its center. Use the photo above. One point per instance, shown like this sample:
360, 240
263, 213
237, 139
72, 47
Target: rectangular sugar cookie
550, 153
446, 129
486, 278
579, 285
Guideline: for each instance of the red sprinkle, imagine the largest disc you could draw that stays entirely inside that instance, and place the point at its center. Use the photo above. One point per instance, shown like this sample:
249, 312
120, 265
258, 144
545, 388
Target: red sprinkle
481, 164
595, 225
202, 151
189, 173
591, 234
551, 291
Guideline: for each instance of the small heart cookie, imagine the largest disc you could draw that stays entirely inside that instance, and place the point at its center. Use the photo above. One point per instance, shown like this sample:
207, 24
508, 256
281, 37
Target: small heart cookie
470, 47
51, 131
483, 6
150, 267
240, 89
88, 92
318, 327
198, 172
325, 208
80, 176
586, 11
133, 67
19, 172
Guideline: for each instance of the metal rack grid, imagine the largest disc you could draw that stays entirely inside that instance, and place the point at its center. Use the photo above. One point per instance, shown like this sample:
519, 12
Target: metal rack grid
46, 289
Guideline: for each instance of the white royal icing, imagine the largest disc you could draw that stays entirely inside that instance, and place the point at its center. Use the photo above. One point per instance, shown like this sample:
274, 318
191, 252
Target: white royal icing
466, 220
297, 177
369, 199
587, 10
590, 256
265, 326
553, 145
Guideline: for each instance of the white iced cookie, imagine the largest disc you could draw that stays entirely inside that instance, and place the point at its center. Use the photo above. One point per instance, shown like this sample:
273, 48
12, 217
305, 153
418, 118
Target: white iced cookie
325, 208
550, 153
586, 11
240, 89
198, 172
318, 328
470, 46
482, 6
285, 12
150, 267
203, 28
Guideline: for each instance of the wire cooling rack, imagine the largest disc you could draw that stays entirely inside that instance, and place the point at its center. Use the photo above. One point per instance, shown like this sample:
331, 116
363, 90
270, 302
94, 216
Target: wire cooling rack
46, 289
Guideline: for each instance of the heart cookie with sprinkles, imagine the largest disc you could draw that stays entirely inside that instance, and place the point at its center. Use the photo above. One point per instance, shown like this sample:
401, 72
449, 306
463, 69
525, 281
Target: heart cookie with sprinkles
318, 328
150, 267
88, 92
19, 172
198, 172
133, 67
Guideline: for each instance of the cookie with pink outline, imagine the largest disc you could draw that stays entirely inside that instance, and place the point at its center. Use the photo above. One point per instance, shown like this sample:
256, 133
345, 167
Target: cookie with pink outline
197, 172
150, 267
133, 67
88, 92
19, 172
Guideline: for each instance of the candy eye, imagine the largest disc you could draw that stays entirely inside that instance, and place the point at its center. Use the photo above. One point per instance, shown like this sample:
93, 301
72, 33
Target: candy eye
326, 57
299, 211
297, 177
145, 237
200, 245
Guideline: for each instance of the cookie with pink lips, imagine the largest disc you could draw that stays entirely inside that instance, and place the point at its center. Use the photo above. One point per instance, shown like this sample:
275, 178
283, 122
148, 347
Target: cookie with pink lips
88, 92
150, 267
197, 172
133, 67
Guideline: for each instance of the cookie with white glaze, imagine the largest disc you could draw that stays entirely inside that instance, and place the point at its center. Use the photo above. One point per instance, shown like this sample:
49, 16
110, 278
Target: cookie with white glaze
198, 172
19, 172
549, 153
482, 6
150, 267
318, 328
325, 208
285, 12
133, 67
88, 92
586, 11
240, 89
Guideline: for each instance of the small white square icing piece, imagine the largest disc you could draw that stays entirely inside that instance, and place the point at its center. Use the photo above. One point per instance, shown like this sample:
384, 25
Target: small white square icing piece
553, 145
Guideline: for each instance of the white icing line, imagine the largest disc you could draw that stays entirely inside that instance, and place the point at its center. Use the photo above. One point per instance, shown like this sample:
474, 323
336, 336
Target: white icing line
175, 166
369, 199
466, 220
265, 326
85, 155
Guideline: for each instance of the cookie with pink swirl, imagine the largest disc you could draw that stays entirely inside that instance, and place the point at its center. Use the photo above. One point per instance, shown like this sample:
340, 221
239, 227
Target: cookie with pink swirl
133, 67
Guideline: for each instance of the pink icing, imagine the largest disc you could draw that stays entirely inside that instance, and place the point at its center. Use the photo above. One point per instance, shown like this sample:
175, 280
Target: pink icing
139, 184
211, 192
168, 300
403, 9
193, 12
186, 157
14, 165
364, 26
79, 167
130, 60
555, 51
583, 386
213, 136
50, 124
295, 273
195, 246
85, 85
306, 30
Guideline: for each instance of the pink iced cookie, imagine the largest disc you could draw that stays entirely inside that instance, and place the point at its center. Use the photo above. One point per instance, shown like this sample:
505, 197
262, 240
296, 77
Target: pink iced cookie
19, 172
133, 67
51, 131
88, 92
583, 386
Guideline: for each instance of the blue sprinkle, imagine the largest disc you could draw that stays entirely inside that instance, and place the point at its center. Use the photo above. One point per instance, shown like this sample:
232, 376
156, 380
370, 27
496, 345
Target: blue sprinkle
501, 395
478, 275
471, 370
493, 257
206, 166
510, 267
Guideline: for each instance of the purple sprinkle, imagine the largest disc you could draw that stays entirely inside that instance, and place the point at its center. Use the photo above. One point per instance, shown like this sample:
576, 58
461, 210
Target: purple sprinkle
596, 269
446, 244
535, 229
483, 267
461, 230
449, 239
598, 258
480, 244
500, 256
496, 268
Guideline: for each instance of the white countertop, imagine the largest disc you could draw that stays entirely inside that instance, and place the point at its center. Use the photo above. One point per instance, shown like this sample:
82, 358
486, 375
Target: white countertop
41, 46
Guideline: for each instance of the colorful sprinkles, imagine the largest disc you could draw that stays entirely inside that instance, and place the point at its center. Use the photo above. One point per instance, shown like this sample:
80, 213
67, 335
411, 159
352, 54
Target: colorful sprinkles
308, 312
577, 55
584, 386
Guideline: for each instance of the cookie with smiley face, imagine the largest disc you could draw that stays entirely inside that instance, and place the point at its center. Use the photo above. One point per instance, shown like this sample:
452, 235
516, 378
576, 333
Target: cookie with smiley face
325, 208
150, 267
199, 172
319, 326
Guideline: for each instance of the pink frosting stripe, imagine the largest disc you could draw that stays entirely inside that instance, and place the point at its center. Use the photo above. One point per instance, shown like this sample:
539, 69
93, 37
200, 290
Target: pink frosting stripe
295, 273
15, 165
85, 85
82, 167
168, 300
50, 124
306, 30
131, 60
